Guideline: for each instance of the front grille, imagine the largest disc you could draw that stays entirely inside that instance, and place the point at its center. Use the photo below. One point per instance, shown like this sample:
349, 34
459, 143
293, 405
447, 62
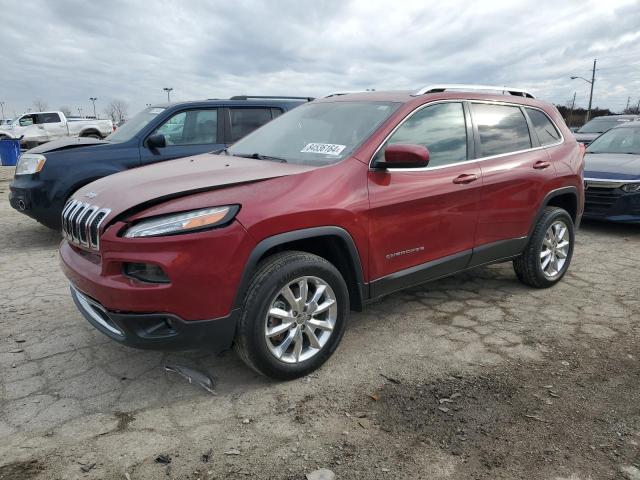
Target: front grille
601, 196
81, 223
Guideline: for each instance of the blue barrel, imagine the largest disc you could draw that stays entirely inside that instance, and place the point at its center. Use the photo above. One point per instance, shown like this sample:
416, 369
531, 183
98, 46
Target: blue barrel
9, 151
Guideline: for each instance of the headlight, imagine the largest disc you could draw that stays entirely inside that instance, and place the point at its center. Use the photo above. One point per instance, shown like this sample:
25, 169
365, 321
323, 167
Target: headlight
30, 163
183, 222
631, 187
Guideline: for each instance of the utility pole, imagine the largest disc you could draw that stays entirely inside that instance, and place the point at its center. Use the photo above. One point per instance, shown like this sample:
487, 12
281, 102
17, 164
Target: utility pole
593, 80
2, 107
573, 103
93, 99
168, 90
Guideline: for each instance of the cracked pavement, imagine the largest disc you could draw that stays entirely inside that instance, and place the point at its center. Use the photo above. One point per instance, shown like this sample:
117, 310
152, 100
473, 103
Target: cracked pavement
71, 397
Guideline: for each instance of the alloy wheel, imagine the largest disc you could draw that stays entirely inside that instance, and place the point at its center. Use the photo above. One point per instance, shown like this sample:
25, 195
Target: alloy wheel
555, 249
301, 319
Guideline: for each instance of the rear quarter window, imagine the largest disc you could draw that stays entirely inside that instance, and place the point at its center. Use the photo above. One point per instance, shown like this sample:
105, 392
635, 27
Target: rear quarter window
502, 129
545, 129
47, 118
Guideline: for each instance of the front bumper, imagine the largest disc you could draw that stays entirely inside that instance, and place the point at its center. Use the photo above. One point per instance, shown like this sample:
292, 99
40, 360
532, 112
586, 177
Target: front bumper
158, 331
30, 196
607, 201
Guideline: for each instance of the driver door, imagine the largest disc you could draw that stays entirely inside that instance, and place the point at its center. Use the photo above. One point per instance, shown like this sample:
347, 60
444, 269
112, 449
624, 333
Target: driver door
189, 132
423, 220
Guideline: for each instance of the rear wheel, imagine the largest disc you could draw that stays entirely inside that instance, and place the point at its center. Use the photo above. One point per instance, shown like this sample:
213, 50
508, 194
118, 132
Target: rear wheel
548, 254
92, 135
295, 312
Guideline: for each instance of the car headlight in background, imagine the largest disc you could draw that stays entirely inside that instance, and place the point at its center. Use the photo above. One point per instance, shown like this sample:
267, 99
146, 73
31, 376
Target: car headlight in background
30, 163
631, 187
184, 222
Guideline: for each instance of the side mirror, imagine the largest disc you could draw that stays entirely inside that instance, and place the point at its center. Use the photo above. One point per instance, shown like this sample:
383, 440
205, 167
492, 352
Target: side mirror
404, 156
156, 140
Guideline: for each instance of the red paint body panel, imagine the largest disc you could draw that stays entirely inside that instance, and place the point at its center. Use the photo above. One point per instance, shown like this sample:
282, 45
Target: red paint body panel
204, 271
423, 210
384, 212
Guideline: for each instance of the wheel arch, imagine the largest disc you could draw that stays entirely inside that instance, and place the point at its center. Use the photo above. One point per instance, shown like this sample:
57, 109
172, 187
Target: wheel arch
89, 131
332, 243
566, 198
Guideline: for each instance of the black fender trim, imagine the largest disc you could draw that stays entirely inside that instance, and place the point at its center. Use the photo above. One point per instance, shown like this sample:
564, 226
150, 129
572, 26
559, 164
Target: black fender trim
303, 234
548, 197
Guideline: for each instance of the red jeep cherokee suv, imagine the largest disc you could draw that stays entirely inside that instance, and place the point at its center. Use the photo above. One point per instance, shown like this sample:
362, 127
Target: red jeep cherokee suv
269, 244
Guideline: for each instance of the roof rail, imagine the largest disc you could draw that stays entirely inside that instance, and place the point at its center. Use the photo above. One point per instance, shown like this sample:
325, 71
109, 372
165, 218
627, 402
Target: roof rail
271, 97
518, 92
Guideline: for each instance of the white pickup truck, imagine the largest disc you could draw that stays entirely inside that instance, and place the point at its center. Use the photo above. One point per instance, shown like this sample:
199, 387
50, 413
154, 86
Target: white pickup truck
35, 128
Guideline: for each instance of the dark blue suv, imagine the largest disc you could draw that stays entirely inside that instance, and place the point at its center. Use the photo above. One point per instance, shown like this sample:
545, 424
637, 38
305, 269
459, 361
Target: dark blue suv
47, 175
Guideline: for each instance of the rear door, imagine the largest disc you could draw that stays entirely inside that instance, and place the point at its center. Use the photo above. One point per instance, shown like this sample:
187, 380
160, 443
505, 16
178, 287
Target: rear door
515, 172
52, 124
189, 132
423, 221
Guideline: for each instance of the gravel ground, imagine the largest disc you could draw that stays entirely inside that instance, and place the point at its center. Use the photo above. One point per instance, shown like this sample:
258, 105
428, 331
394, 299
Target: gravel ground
475, 376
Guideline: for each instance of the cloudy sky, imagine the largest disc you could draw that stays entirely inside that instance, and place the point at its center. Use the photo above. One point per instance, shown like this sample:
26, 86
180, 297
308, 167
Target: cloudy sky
65, 51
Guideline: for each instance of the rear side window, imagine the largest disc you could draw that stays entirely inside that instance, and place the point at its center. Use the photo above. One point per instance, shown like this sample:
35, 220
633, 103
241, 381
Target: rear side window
47, 118
502, 129
546, 131
246, 120
441, 128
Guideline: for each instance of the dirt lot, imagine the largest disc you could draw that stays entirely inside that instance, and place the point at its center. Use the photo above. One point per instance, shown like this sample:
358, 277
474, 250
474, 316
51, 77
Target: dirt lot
472, 377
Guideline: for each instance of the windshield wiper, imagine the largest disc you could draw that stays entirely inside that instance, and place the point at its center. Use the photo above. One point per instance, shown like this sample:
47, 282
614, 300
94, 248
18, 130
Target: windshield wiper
259, 156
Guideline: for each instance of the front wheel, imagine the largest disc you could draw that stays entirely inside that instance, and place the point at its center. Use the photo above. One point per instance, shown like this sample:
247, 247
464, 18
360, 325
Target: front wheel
295, 313
547, 256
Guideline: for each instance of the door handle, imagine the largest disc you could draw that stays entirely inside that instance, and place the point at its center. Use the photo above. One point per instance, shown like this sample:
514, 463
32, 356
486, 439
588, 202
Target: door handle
540, 164
465, 178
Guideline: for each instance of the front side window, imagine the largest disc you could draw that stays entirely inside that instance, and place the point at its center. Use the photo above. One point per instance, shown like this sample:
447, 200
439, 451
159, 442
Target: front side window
246, 120
441, 128
192, 127
502, 129
26, 120
316, 133
546, 131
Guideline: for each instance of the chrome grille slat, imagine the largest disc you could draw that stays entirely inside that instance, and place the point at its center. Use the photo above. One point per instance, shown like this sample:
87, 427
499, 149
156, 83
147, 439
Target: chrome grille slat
75, 222
81, 223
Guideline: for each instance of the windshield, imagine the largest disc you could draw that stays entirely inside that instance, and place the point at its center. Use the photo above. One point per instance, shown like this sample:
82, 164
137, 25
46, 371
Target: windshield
618, 140
601, 124
127, 131
315, 133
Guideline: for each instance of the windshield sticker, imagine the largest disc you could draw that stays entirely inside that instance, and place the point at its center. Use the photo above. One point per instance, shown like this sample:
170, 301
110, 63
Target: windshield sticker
326, 148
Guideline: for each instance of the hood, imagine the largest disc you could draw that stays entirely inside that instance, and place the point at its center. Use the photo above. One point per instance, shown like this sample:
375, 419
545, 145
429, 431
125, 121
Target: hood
66, 143
145, 186
612, 166
586, 137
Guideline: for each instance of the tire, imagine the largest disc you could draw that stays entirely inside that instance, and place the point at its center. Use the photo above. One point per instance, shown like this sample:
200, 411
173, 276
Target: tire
92, 135
530, 265
264, 295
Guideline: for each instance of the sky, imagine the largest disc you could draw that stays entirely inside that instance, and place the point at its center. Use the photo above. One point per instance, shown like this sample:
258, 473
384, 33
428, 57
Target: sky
64, 51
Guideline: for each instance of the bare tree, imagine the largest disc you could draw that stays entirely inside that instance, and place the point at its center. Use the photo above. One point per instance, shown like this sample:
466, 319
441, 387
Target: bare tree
117, 111
40, 105
66, 110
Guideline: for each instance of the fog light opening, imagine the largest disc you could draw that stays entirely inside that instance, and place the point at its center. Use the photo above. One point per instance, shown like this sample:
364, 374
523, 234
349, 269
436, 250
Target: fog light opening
146, 272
